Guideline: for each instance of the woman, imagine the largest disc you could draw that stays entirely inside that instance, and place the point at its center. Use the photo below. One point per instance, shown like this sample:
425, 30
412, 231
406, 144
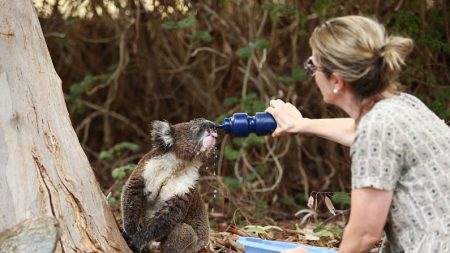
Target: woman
400, 149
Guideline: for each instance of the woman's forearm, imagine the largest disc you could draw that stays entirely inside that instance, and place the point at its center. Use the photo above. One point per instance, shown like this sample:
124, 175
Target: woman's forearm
340, 130
290, 120
370, 208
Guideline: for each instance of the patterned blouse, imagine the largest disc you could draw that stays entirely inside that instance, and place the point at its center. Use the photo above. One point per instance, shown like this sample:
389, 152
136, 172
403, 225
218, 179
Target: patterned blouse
402, 146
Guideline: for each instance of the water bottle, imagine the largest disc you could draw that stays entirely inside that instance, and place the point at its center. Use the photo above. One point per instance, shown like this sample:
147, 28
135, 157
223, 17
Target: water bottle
241, 124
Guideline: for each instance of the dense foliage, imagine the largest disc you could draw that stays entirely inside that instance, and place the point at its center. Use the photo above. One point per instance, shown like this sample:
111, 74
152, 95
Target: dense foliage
126, 63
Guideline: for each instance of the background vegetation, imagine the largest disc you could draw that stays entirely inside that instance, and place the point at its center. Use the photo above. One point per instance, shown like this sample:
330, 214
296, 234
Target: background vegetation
126, 63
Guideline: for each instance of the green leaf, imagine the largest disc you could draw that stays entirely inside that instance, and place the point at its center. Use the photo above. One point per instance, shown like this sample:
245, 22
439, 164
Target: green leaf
261, 43
118, 173
230, 153
262, 204
299, 74
168, 25
117, 4
446, 48
113, 202
302, 19
254, 229
238, 141
320, 5
260, 168
341, 198
286, 79
187, 22
288, 200
259, 106
302, 32
258, 215
123, 171
244, 52
441, 109
253, 141
231, 101
296, 75
78, 89
202, 35
110, 153
250, 96
78, 107
219, 119
250, 177
213, 225
233, 183
224, 3
336, 231
260, 229
61, 40
126, 145
276, 11
431, 80
106, 155
408, 22
247, 101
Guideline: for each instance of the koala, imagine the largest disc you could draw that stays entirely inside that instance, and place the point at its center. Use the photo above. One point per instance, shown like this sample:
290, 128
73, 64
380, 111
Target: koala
160, 201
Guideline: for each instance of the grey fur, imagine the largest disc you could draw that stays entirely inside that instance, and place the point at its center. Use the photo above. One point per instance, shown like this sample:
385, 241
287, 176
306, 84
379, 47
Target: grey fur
162, 134
181, 223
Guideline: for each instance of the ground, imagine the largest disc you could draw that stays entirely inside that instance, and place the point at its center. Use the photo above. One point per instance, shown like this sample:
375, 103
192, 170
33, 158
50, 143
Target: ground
224, 234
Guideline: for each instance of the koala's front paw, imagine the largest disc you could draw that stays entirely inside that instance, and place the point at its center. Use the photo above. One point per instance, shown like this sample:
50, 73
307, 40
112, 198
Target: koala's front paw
132, 245
135, 244
125, 236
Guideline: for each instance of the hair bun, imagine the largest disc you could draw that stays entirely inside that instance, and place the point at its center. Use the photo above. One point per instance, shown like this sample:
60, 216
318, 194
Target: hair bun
382, 50
395, 51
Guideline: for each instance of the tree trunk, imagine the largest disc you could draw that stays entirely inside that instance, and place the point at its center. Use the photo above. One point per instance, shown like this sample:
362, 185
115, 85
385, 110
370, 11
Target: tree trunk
43, 170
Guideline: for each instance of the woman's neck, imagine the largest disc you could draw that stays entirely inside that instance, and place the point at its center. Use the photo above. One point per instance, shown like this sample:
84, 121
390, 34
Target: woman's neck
356, 109
350, 105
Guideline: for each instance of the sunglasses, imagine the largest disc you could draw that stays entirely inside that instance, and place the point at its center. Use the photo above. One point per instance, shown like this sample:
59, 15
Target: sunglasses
310, 67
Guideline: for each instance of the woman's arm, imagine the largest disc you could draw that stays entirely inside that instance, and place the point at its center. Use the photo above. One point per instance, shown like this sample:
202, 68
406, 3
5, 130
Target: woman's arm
369, 211
290, 120
340, 130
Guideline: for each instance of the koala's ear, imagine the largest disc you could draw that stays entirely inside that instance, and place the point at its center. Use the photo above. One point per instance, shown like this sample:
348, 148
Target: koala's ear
162, 134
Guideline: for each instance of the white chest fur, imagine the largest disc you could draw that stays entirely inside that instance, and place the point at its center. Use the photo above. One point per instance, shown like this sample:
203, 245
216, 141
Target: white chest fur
166, 176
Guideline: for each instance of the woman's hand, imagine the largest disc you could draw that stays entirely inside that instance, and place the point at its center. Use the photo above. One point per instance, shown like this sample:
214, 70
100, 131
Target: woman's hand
296, 250
288, 117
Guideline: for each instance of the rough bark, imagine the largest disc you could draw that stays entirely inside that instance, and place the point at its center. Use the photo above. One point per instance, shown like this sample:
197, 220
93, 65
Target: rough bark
37, 235
43, 170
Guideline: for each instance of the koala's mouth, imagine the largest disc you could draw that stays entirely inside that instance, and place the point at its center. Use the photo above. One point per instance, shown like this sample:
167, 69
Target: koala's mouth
209, 140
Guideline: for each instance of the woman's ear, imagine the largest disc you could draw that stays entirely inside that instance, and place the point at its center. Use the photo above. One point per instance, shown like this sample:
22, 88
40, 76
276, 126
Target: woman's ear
338, 82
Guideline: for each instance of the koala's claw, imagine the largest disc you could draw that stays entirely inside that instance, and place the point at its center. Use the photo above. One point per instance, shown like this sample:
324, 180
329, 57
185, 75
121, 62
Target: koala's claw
132, 243
135, 245
125, 236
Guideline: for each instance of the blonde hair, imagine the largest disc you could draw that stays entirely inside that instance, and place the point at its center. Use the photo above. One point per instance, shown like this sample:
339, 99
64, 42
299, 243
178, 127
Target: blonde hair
359, 49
